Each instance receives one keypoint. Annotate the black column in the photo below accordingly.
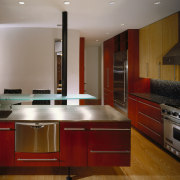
(64, 55)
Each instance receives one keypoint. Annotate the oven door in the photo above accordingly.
(172, 134)
(37, 137)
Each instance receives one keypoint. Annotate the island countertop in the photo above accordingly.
(70, 113)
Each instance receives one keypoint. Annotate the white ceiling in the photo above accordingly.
(95, 19)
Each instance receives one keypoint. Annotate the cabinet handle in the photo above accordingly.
(108, 129)
(74, 129)
(5, 129)
(159, 70)
(91, 151)
(147, 69)
(107, 77)
(37, 159)
(174, 72)
(124, 82)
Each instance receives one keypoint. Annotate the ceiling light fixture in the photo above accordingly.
(122, 24)
(66, 2)
(158, 2)
(97, 40)
(21, 2)
(112, 3)
(107, 33)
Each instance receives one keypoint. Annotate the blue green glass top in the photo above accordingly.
(31, 97)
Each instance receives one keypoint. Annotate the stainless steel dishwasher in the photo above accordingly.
(37, 137)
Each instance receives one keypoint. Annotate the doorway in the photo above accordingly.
(58, 70)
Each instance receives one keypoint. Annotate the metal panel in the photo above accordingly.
(37, 137)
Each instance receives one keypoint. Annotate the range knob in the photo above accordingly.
(164, 110)
(169, 112)
(175, 114)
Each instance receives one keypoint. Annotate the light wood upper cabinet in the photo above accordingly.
(155, 41)
(143, 52)
(170, 38)
(155, 50)
(150, 51)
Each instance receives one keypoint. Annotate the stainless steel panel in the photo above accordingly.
(168, 134)
(109, 151)
(37, 137)
(120, 79)
(71, 113)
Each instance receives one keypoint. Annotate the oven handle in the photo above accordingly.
(165, 118)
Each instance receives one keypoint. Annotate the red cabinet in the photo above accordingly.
(133, 110)
(108, 70)
(7, 147)
(95, 144)
(73, 144)
(109, 144)
(37, 159)
(146, 117)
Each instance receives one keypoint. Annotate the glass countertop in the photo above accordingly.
(31, 97)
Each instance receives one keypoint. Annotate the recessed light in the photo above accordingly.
(66, 2)
(107, 33)
(112, 3)
(21, 2)
(97, 40)
(158, 2)
(122, 24)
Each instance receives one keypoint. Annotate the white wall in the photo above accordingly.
(93, 70)
(27, 59)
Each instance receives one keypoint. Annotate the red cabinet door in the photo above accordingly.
(133, 110)
(7, 144)
(108, 64)
(109, 144)
(73, 144)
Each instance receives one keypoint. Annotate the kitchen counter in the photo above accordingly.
(70, 113)
(158, 99)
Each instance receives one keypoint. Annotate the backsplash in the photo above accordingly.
(169, 89)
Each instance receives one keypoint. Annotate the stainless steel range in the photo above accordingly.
(171, 118)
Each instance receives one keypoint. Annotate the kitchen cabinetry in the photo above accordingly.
(73, 144)
(133, 110)
(108, 71)
(109, 144)
(155, 41)
(146, 117)
(143, 52)
(95, 144)
(170, 38)
(7, 145)
(151, 51)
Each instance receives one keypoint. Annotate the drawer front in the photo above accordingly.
(7, 125)
(151, 123)
(150, 133)
(104, 139)
(150, 110)
(108, 159)
(37, 159)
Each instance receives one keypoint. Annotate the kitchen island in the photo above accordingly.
(82, 136)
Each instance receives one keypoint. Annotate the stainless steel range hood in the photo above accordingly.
(173, 56)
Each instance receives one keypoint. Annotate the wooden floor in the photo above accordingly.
(147, 162)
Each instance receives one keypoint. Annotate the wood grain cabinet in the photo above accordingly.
(108, 71)
(95, 144)
(155, 41)
(133, 110)
(170, 38)
(151, 51)
(73, 144)
(146, 117)
(109, 144)
(7, 144)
